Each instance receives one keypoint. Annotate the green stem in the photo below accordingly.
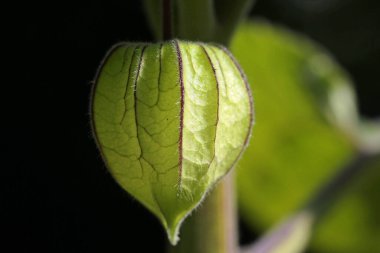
(167, 19)
(153, 12)
(196, 20)
(229, 14)
(213, 227)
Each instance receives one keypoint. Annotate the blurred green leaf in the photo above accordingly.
(306, 129)
(352, 224)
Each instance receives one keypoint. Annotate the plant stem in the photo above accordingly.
(197, 20)
(229, 14)
(167, 19)
(153, 12)
(213, 227)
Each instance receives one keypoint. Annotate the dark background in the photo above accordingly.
(57, 195)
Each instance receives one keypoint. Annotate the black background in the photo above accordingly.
(57, 195)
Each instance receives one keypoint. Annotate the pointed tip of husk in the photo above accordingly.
(173, 233)
(172, 228)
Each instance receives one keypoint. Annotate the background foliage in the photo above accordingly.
(296, 148)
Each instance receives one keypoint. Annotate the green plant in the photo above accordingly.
(170, 162)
